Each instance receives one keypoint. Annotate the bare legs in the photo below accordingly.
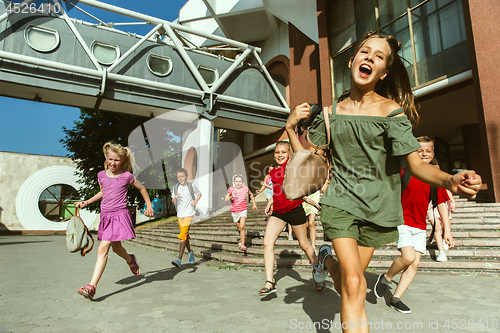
(349, 281)
(311, 223)
(184, 245)
(102, 258)
(273, 229)
(438, 236)
(241, 228)
(408, 263)
(301, 235)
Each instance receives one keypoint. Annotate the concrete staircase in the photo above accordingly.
(475, 228)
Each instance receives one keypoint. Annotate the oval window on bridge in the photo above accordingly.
(159, 65)
(57, 202)
(41, 39)
(210, 75)
(105, 53)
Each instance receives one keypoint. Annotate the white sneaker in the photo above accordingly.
(445, 246)
(441, 256)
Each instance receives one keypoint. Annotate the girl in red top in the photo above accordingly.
(283, 211)
(238, 196)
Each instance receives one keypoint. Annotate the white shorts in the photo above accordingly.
(236, 216)
(410, 236)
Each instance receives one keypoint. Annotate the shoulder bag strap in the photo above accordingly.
(327, 124)
(405, 179)
(86, 250)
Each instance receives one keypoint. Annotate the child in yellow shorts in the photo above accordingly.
(185, 196)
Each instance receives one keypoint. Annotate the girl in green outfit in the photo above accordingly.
(370, 132)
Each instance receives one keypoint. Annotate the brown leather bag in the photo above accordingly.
(306, 171)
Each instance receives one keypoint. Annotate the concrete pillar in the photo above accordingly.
(483, 26)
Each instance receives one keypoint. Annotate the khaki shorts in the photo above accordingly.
(338, 223)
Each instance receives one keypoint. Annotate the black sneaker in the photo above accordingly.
(380, 287)
(400, 306)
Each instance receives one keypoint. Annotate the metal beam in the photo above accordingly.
(230, 70)
(133, 48)
(155, 21)
(79, 37)
(186, 58)
(271, 82)
(133, 80)
(216, 18)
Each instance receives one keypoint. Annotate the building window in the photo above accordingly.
(105, 53)
(57, 202)
(159, 65)
(210, 75)
(436, 47)
(41, 39)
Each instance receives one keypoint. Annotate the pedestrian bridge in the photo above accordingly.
(47, 56)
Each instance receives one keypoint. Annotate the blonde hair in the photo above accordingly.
(238, 175)
(127, 158)
(396, 85)
(284, 143)
(425, 138)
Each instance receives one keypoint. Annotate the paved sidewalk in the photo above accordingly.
(39, 281)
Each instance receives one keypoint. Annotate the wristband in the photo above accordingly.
(84, 203)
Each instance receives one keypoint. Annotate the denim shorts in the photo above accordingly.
(338, 223)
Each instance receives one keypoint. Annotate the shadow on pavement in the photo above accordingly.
(16, 243)
(151, 276)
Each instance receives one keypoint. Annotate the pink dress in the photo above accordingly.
(116, 224)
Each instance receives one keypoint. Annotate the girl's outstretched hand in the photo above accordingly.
(300, 112)
(149, 211)
(466, 183)
(81, 204)
(269, 208)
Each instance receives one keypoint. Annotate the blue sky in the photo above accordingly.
(36, 128)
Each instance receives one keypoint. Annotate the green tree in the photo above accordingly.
(85, 140)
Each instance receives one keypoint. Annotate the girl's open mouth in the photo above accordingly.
(365, 71)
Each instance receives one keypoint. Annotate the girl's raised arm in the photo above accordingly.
(254, 205)
(465, 183)
(149, 211)
(300, 112)
(229, 196)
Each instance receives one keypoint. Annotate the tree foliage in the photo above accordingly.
(85, 141)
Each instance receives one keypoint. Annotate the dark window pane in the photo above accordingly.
(56, 203)
(341, 73)
(440, 39)
(365, 17)
(400, 29)
(389, 10)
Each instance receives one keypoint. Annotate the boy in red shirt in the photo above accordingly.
(412, 235)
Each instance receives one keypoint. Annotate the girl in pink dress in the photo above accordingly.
(238, 196)
(116, 224)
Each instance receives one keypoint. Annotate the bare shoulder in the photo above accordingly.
(388, 106)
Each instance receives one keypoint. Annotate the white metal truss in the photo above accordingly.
(167, 29)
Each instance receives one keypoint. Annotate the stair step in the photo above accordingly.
(485, 266)
(475, 229)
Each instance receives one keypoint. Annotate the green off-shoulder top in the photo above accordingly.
(366, 159)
